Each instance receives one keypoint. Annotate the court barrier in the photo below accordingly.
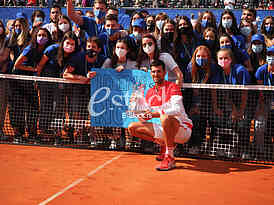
(230, 122)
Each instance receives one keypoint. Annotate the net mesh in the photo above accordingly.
(230, 122)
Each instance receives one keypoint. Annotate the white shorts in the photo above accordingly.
(182, 136)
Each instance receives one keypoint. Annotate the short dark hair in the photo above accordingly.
(56, 6)
(158, 62)
(111, 17)
(100, 2)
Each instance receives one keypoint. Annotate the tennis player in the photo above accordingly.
(165, 102)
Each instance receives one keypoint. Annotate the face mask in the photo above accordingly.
(168, 36)
(64, 27)
(246, 30)
(149, 49)
(209, 42)
(268, 29)
(41, 40)
(270, 60)
(224, 63)
(185, 31)
(160, 24)
(201, 61)
(257, 48)
(18, 31)
(91, 53)
(205, 23)
(38, 19)
(227, 23)
(99, 14)
(1, 30)
(111, 31)
(137, 35)
(226, 46)
(120, 52)
(150, 27)
(229, 7)
(68, 49)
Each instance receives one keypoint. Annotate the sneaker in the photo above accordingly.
(161, 156)
(168, 163)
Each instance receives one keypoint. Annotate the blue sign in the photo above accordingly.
(110, 96)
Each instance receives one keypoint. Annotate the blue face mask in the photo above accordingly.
(18, 31)
(226, 46)
(99, 14)
(201, 61)
(111, 31)
(209, 42)
(205, 23)
(246, 30)
(268, 29)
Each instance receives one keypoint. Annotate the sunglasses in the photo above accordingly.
(149, 44)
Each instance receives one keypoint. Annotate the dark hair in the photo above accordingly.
(131, 19)
(60, 33)
(33, 41)
(60, 53)
(157, 63)
(56, 6)
(111, 17)
(252, 10)
(3, 35)
(234, 28)
(198, 26)
(263, 31)
(113, 8)
(142, 55)
(96, 40)
(100, 2)
(37, 13)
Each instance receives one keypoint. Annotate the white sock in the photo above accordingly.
(170, 151)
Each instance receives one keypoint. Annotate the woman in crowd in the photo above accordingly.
(167, 37)
(230, 112)
(248, 29)
(210, 39)
(205, 20)
(150, 51)
(4, 68)
(25, 94)
(243, 58)
(63, 26)
(267, 29)
(150, 22)
(228, 24)
(159, 22)
(136, 15)
(202, 69)
(185, 43)
(53, 103)
(122, 58)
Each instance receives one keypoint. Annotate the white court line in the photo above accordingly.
(78, 181)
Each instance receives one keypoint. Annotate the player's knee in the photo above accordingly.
(132, 128)
(165, 118)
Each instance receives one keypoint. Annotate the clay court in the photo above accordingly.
(48, 175)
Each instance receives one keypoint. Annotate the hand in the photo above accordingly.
(91, 74)
(120, 68)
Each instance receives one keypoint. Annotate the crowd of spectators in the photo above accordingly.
(193, 50)
(257, 4)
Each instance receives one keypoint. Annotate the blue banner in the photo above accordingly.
(110, 95)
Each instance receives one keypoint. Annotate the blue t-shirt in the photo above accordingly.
(238, 76)
(51, 68)
(90, 26)
(263, 74)
(239, 41)
(214, 78)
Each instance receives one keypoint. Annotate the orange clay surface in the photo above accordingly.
(31, 175)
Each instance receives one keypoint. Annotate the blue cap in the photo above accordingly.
(270, 49)
(257, 37)
(139, 23)
(20, 15)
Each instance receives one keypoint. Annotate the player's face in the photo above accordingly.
(158, 74)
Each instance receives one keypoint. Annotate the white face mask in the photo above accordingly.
(64, 27)
(270, 60)
(160, 24)
(121, 52)
(149, 49)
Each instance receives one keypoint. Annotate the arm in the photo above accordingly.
(248, 65)
(5, 55)
(41, 64)
(19, 64)
(179, 75)
(216, 110)
(77, 78)
(73, 15)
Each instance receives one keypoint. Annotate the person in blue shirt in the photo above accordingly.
(53, 96)
(231, 108)
(203, 70)
(265, 76)
(25, 94)
(93, 27)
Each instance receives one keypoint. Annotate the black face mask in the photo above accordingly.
(185, 31)
(151, 27)
(168, 36)
(91, 53)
